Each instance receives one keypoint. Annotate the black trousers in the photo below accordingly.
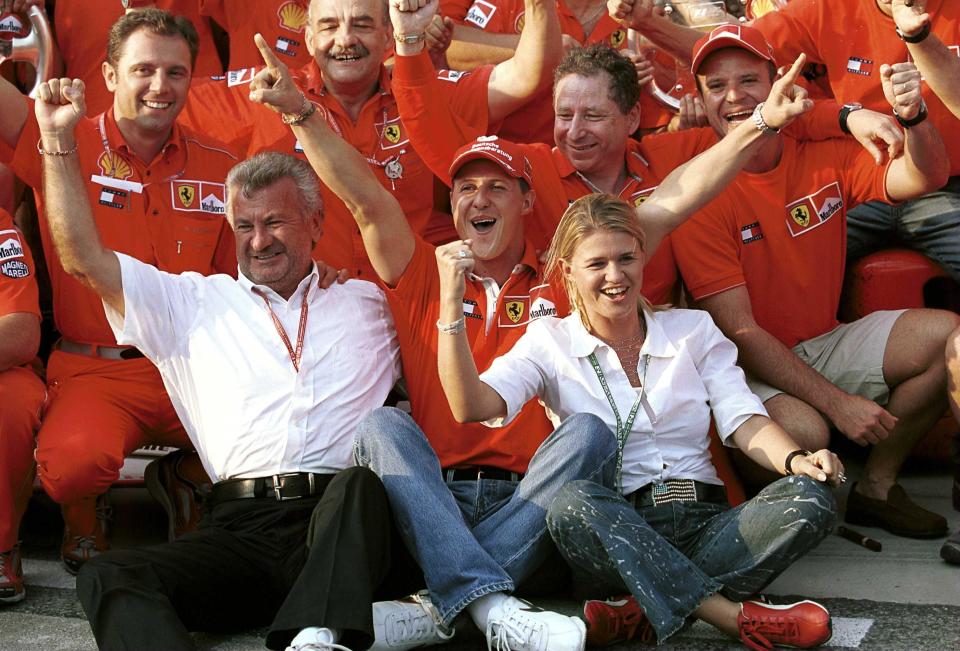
(315, 561)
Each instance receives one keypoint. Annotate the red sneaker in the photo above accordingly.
(11, 577)
(616, 620)
(802, 625)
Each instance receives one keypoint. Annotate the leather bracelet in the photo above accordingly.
(916, 119)
(296, 119)
(44, 152)
(919, 37)
(789, 460)
(454, 328)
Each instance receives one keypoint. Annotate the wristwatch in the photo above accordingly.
(915, 38)
(410, 39)
(759, 122)
(845, 112)
(915, 120)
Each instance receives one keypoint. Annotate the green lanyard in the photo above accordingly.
(623, 429)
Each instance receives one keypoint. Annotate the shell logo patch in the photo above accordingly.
(515, 310)
(186, 194)
(113, 166)
(293, 16)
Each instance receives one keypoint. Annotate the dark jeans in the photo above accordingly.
(673, 556)
(314, 561)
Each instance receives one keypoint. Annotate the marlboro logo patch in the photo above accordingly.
(10, 245)
(480, 13)
(814, 210)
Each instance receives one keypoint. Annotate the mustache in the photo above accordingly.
(354, 51)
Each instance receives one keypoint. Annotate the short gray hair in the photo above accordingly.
(269, 167)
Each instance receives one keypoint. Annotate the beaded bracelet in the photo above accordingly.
(454, 328)
(44, 152)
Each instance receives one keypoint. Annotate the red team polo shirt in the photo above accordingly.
(18, 282)
(82, 28)
(281, 22)
(492, 329)
(783, 234)
(555, 180)
(378, 134)
(169, 213)
(853, 61)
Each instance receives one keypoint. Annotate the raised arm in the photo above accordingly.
(641, 15)
(924, 166)
(513, 81)
(692, 185)
(59, 107)
(470, 399)
(938, 64)
(386, 234)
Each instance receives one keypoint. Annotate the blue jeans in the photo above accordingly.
(473, 538)
(930, 225)
(673, 556)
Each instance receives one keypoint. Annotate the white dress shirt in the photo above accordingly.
(691, 371)
(230, 377)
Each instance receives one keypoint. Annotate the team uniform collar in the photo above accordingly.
(117, 142)
(528, 262)
(312, 79)
(636, 163)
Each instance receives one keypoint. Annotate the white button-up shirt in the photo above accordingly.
(230, 377)
(691, 371)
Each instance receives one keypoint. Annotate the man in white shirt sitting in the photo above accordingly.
(270, 374)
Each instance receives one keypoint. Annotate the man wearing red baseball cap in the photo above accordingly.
(471, 501)
(766, 259)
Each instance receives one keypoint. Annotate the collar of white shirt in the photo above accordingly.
(656, 343)
(250, 286)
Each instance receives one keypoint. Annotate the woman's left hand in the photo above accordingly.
(822, 465)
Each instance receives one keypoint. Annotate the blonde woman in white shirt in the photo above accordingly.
(666, 534)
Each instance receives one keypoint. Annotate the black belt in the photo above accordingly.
(289, 486)
(474, 473)
(677, 490)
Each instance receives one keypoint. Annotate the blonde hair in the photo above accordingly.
(584, 217)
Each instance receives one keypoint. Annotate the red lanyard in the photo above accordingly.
(294, 354)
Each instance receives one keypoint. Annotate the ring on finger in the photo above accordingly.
(462, 253)
(842, 477)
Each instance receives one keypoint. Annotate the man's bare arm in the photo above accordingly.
(386, 234)
(59, 106)
(472, 47)
(766, 358)
(19, 338)
(938, 64)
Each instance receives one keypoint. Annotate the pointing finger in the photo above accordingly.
(266, 52)
(790, 78)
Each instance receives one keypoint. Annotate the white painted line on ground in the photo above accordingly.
(849, 632)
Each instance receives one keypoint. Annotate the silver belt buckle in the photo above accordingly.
(277, 488)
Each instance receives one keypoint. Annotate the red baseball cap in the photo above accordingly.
(504, 153)
(741, 36)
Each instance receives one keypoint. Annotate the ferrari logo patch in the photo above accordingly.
(801, 215)
(515, 310)
(392, 133)
(186, 194)
(617, 38)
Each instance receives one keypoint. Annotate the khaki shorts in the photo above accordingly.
(850, 356)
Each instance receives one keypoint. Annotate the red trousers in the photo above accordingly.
(98, 412)
(21, 399)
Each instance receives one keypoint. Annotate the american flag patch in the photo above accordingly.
(751, 233)
(859, 66)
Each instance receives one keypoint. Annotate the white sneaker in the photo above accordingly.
(408, 623)
(518, 625)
